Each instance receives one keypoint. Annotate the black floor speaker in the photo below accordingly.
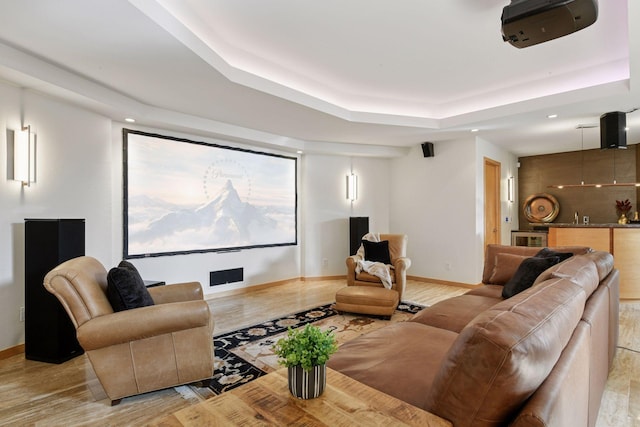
(358, 227)
(49, 334)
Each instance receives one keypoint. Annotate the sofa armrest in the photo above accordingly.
(402, 264)
(176, 292)
(400, 267)
(144, 322)
(351, 269)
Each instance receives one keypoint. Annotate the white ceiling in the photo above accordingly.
(364, 77)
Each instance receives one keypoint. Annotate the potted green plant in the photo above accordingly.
(305, 352)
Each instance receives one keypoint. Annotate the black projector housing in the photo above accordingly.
(529, 22)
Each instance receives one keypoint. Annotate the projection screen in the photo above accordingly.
(183, 196)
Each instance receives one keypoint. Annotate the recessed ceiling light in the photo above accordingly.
(475, 130)
(552, 116)
(130, 120)
(299, 151)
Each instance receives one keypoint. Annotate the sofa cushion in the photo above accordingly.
(527, 273)
(377, 251)
(580, 269)
(504, 354)
(493, 249)
(506, 265)
(455, 313)
(363, 276)
(603, 262)
(126, 289)
(493, 291)
(385, 359)
(563, 398)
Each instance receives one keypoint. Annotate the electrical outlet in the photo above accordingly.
(447, 266)
(22, 314)
(325, 263)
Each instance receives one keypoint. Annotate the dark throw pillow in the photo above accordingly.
(126, 264)
(376, 251)
(548, 253)
(526, 274)
(125, 288)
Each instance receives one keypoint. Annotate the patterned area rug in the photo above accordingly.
(245, 354)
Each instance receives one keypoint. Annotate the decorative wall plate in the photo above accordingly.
(541, 207)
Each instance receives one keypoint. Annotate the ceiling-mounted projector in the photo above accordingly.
(529, 22)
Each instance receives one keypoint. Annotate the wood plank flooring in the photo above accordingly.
(42, 394)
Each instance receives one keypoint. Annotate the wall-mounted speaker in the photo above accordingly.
(612, 130)
(427, 149)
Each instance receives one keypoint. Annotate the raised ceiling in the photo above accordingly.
(358, 77)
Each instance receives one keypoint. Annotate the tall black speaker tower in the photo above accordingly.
(49, 334)
(358, 227)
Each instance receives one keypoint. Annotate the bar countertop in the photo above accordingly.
(544, 226)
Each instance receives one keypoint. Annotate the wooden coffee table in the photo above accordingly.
(267, 401)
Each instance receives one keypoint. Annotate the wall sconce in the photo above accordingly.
(511, 191)
(352, 187)
(24, 156)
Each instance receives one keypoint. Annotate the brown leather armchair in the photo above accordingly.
(399, 260)
(138, 350)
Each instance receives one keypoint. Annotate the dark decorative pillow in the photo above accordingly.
(126, 264)
(377, 251)
(548, 253)
(526, 274)
(125, 288)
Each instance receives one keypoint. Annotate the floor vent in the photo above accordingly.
(222, 277)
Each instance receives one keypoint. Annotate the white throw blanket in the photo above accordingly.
(377, 269)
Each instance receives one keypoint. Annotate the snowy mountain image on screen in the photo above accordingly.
(224, 222)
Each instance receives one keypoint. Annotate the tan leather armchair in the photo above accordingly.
(142, 349)
(399, 260)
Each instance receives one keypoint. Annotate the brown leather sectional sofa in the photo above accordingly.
(539, 358)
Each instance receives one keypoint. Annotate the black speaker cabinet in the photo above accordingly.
(358, 227)
(427, 149)
(49, 334)
(612, 130)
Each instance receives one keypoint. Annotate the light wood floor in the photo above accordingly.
(41, 394)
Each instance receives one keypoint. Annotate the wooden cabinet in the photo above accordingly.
(595, 238)
(626, 253)
(622, 242)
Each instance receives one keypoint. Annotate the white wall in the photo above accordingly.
(79, 170)
(439, 203)
(433, 202)
(436, 201)
(326, 210)
(73, 181)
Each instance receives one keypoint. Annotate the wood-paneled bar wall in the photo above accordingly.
(537, 173)
(596, 166)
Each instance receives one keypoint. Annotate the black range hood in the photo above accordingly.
(613, 132)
